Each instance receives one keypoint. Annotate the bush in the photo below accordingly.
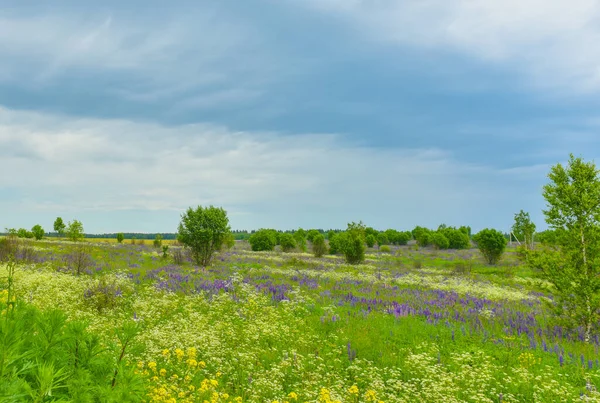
(300, 238)
(79, 260)
(318, 245)
(38, 232)
(287, 242)
(178, 256)
(120, 237)
(311, 234)
(158, 241)
(458, 239)
(75, 231)
(385, 249)
(262, 240)
(103, 295)
(491, 243)
(370, 240)
(462, 266)
(203, 230)
(439, 240)
(352, 243)
(382, 239)
(334, 243)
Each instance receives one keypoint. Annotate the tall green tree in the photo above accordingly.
(573, 266)
(59, 226)
(74, 231)
(203, 230)
(38, 232)
(524, 229)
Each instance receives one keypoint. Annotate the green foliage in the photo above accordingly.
(44, 358)
(524, 229)
(318, 245)
(330, 234)
(352, 243)
(397, 237)
(120, 237)
(439, 240)
(491, 244)
(165, 250)
(287, 242)
(573, 200)
(74, 231)
(335, 243)
(59, 226)
(38, 232)
(422, 236)
(263, 240)
(370, 240)
(229, 241)
(300, 238)
(385, 249)
(158, 241)
(311, 234)
(457, 239)
(465, 230)
(371, 231)
(203, 230)
(382, 239)
(23, 233)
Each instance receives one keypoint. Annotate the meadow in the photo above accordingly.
(413, 325)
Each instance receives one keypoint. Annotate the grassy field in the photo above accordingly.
(414, 325)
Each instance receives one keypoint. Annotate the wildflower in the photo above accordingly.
(353, 390)
(214, 382)
(152, 365)
(370, 396)
(191, 352)
(163, 372)
(179, 353)
(293, 395)
(192, 363)
(140, 364)
(166, 352)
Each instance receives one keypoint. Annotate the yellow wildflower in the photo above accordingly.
(163, 372)
(293, 395)
(179, 353)
(353, 390)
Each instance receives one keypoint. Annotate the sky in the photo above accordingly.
(292, 113)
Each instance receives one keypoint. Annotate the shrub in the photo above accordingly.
(311, 234)
(59, 226)
(178, 256)
(318, 245)
(158, 241)
(462, 266)
(103, 295)
(75, 231)
(203, 231)
(300, 238)
(23, 233)
(439, 240)
(491, 243)
(370, 240)
(120, 237)
(334, 243)
(385, 249)
(287, 242)
(262, 240)
(457, 239)
(382, 239)
(38, 232)
(8, 248)
(352, 243)
(79, 260)
(165, 250)
(417, 263)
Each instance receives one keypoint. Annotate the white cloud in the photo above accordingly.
(108, 165)
(146, 58)
(554, 42)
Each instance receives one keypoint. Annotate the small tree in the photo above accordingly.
(353, 243)
(311, 234)
(120, 237)
(491, 244)
(573, 214)
(440, 241)
(287, 242)
(370, 240)
(75, 231)
(524, 229)
(38, 232)
(59, 226)
(300, 238)
(262, 240)
(382, 239)
(158, 241)
(318, 245)
(203, 231)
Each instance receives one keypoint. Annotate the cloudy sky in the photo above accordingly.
(292, 113)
